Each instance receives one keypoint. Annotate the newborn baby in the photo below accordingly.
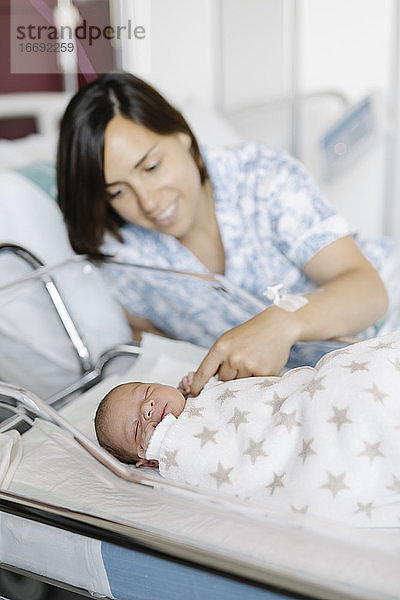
(128, 415)
(324, 440)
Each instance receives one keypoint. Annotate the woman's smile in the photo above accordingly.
(168, 216)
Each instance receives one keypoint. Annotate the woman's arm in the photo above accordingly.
(139, 324)
(350, 297)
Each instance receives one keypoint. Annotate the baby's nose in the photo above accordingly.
(147, 409)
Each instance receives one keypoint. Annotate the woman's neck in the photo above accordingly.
(204, 239)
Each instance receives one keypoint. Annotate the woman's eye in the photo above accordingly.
(113, 195)
(153, 166)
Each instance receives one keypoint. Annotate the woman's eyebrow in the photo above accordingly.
(141, 161)
(143, 158)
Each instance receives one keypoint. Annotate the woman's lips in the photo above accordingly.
(168, 216)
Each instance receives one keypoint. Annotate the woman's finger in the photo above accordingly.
(209, 366)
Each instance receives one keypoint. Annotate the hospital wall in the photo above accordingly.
(248, 60)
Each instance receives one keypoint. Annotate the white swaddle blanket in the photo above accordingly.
(323, 440)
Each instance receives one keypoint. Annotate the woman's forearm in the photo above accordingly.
(350, 296)
(344, 306)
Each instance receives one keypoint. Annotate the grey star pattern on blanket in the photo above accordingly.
(367, 508)
(306, 450)
(255, 450)
(320, 441)
(381, 345)
(339, 417)
(288, 420)
(395, 485)
(276, 483)
(355, 366)
(225, 395)
(371, 450)
(221, 475)
(377, 393)
(315, 386)
(207, 435)
(276, 403)
(195, 411)
(239, 417)
(335, 483)
(266, 383)
(170, 458)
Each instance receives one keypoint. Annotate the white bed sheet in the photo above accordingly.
(57, 470)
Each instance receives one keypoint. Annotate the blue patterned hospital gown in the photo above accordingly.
(272, 220)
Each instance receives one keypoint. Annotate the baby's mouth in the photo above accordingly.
(163, 413)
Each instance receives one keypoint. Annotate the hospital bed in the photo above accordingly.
(75, 517)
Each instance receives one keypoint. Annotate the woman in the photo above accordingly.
(133, 184)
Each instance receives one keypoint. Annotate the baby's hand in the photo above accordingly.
(185, 384)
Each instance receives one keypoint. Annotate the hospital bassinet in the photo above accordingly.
(67, 519)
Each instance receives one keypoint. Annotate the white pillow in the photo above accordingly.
(30, 215)
(34, 350)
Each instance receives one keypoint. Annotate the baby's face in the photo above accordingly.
(135, 409)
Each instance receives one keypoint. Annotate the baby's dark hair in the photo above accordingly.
(100, 425)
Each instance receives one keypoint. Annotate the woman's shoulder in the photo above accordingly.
(248, 157)
(242, 151)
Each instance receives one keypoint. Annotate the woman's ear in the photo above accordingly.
(144, 462)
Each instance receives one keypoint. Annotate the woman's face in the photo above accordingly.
(152, 180)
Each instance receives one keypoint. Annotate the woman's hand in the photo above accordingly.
(258, 347)
(350, 296)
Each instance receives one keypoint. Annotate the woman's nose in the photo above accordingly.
(147, 199)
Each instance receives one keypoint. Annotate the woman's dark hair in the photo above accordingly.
(82, 194)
